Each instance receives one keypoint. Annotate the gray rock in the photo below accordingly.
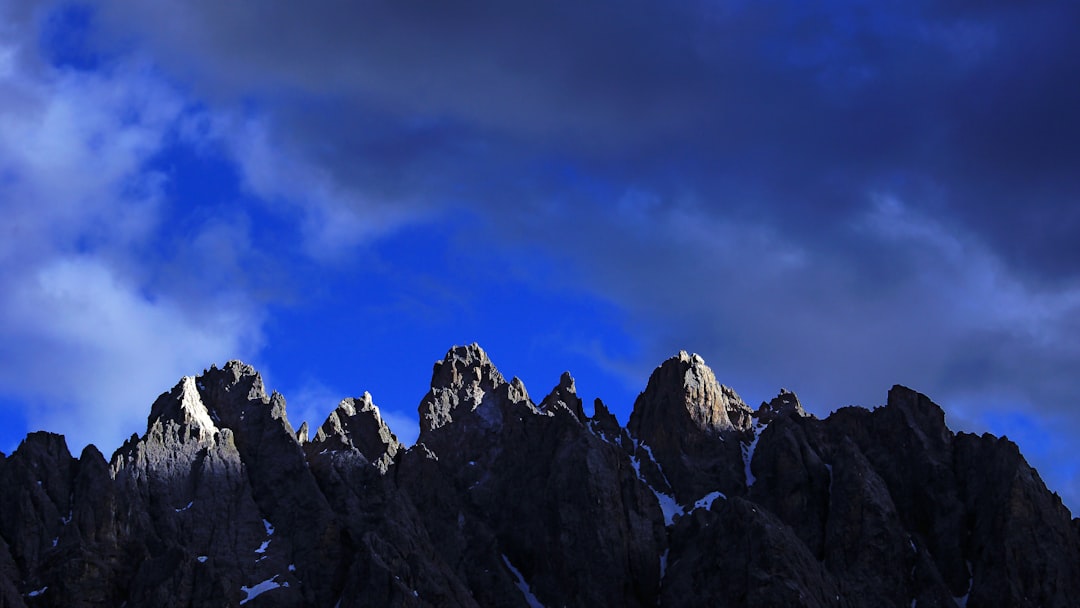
(503, 502)
(564, 399)
(517, 487)
(737, 554)
(693, 427)
(784, 404)
(1023, 548)
(357, 425)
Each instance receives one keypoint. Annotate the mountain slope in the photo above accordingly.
(506, 501)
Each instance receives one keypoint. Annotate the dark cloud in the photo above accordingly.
(834, 196)
(781, 111)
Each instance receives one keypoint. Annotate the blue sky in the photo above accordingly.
(832, 198)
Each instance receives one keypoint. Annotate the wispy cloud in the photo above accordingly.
(832, 198)
(87, 338)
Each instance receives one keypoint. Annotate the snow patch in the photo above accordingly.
(185, 507)
(663, 563)
(748, 453)
(260, 588)
(669, 507)
(202, 559)
(66, 520)
(38, 592)
(961, 600)
(652, 458)
(530, 599)
(292, 567)
(667, 503)
(705, 502)
(269, 532)
(55, 541)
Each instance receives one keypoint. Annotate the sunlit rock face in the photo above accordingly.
(693, 426)
(505, 501)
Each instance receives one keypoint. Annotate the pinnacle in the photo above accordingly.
(184, 405)
(684, 386)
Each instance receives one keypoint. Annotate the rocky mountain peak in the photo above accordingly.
(504, 503)
(184, 406)
(564, 397)
(356, 424)
(683, 394)
(919, 412)
(693, 425)
(464, 382)
(235, 383)
(784, 404)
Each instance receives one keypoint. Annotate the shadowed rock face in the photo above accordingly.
(507, 502)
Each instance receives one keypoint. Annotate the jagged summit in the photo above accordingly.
(564, 397)
(684, 391)
(218, 398)
(786, 403)
(692, 425)
(184, 406)
(356, 424)
(466, 382)
(503, 502)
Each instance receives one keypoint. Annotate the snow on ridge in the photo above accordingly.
(530, 599)
(648, 450)
(748, 453)
(667, 503)
(37, 592)
(185, 507)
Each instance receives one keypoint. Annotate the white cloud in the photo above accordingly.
(94, 353)
(335, 216)
(87, 345)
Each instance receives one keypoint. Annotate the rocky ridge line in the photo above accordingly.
(504, 501)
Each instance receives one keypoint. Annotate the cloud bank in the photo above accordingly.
(832, 198)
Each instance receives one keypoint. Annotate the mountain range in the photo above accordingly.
(504, 500)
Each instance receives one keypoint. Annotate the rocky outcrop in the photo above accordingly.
(692, 426)
(785, 404)
(528, 494)
(358, 426)
(505, 502)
